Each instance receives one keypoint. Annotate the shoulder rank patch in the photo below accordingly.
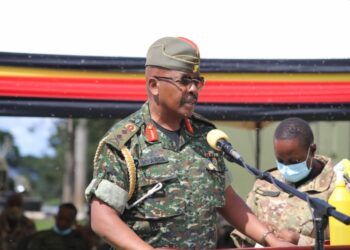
(121, 135)
(130, 127)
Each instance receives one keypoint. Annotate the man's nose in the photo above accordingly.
(193, 87)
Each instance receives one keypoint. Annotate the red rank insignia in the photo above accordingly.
(130, 127)
(188, 125)
(151, 132)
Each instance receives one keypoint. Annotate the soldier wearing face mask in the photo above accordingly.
(62, 236)
(299, 166)
(14, 225)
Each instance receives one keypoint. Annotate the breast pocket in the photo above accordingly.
(166, 202)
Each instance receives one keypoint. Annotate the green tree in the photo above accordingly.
(47, 182)
(8, 149)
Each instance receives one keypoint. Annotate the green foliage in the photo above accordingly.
(49, 175)
(50, 170)
(8, 148)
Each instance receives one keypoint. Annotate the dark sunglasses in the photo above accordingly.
(184, 81)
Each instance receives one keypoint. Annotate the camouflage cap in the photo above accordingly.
(176, 53)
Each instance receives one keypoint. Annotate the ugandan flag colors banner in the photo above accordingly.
(82, 86)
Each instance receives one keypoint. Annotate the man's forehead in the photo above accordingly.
(164, 71)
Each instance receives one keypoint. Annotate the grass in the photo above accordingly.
(43, 224)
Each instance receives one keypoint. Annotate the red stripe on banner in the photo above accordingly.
(74, 88)
(213, 92)
(276, 92)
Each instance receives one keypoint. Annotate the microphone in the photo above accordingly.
(217, 139)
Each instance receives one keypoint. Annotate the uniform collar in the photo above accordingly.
(152, 134)
(323, 180)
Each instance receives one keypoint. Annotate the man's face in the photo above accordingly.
(178, 91)
(291, 151)
(65, 218)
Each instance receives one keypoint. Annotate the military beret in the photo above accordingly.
(176, 53)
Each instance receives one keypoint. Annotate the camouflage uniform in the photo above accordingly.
(49, 240)
(183, 213)
(284, 211)
(10, 237)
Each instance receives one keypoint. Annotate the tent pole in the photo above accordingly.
(257, 149)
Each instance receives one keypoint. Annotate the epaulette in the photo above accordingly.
(202, 119)
(118, 136)
(121, 135)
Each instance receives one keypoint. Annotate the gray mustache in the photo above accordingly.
(191, 99)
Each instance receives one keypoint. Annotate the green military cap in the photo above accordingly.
(176, 53)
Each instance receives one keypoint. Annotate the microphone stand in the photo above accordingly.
(321, 209)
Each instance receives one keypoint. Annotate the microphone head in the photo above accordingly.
(214, 136)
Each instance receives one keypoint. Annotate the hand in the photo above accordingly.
(285, 235)
(274, 241)
(288, 235)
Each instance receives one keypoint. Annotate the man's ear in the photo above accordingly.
(313, 149)
(153, 86)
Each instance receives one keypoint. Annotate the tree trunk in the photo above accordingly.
(81, 137)
(68, 175)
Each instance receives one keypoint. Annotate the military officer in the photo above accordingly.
(157, 183)
(299, 166)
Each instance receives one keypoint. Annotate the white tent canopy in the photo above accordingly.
(236, 29)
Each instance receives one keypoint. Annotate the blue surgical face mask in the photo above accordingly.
(294, 172)
(62, 232)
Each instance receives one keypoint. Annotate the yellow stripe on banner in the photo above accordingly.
(56, 73)
(36, 72)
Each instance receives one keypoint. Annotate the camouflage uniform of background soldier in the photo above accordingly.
(282, 210)
(14, 225)
(63, 235)
(192, 175)
(293, 139)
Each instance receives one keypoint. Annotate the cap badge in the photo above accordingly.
(195, 68)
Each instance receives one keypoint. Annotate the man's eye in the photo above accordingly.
(186, 80)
